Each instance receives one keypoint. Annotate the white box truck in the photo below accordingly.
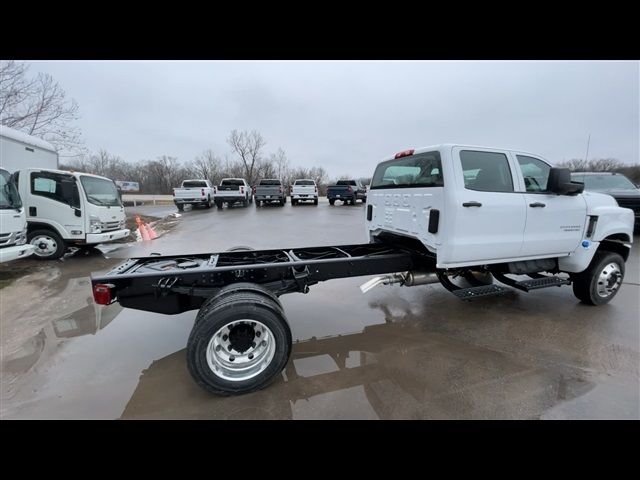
(63, 209)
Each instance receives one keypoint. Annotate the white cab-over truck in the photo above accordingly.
(13, 222)
(63, 209)
(304, 190)
(193, 192)
(461, 216)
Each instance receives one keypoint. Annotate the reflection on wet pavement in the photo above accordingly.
(395, 353)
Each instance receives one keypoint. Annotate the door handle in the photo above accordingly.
(537, 205)
(471, 204)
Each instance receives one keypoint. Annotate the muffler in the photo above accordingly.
(409, 279)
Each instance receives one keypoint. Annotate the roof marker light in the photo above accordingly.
(406, 153)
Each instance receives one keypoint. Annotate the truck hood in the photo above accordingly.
(622, 193)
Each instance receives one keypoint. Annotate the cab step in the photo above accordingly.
(481, 291)
(535, 283)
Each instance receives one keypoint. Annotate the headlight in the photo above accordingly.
(95, 225)
(21, 238)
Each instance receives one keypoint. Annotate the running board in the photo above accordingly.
(481, 291)
(534, 283)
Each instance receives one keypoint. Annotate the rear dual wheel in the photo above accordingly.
(240, 343)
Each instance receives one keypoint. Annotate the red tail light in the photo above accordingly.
(202, 192)
(316, 189)
(280, 189)
(406, 153)
(349, 189)
(103, 293)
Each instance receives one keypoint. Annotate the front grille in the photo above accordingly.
(632, 203)
(13, 238)
(108, 226)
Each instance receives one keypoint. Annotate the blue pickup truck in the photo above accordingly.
(347, 191)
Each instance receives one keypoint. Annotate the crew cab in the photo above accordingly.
(232, 191)
(270, 190)
(193, 192)
(474, 219)
(615, 184)
(347, 191)
(304, 190)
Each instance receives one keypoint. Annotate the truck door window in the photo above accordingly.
(486, 171)
(49, 185)
(421, 170)
(535, 173)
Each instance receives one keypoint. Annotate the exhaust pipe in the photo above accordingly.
(409, 279)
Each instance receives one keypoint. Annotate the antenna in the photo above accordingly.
(586, 155)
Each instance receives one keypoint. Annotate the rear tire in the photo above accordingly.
(245, 202)
(315, 201)
(601, 281)
(331, 201)
(49, 245)
(257, 203)
(208, 203)
(219, 204)
(235, 288)
(221, 346)
(180, 207)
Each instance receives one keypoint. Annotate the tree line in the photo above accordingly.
(247, 159)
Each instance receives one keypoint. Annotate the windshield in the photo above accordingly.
(9, 197)
(602, 183)
(422, 170)
(100, 191)
(270, 182)
(231, 182)
(194, 184)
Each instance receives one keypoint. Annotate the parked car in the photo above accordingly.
(615, 184)
(304, 190)
(193, 192)
(13, 222)
(270, 190)
(232, 191)
(347, 191)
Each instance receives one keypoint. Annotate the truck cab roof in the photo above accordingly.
(449, 146)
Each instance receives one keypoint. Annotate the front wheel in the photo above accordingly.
(601, 281)
(240, 345)
(49, 245)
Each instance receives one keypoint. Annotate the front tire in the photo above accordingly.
(240, 345)
(49, 245)
(601, 281)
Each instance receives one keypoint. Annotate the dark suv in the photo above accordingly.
(615, 184)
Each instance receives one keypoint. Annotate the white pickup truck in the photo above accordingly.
(232, 191)
(193, 192)
(13, 222)
(304, 190)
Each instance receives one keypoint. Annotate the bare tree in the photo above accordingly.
(248, 146)
(38, 106)
(209, 166)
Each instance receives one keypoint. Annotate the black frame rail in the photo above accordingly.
(175, 284)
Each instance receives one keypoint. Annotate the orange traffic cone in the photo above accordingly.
(152, 233)
(141, 228)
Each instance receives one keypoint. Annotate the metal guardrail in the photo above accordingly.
(142, 199)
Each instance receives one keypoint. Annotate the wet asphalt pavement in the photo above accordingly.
(393, 353)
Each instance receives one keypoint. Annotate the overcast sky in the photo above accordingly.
(347, 116)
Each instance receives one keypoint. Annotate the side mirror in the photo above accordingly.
(560, 183)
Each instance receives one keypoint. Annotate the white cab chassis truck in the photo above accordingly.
(13, 222)
(480, 221)
(69, 209)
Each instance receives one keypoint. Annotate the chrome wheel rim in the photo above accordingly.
(240, 350)
(609, 280)
(45, 245)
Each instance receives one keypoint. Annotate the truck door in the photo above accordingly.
(489, 215)
(555, 223)
(51, 201)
